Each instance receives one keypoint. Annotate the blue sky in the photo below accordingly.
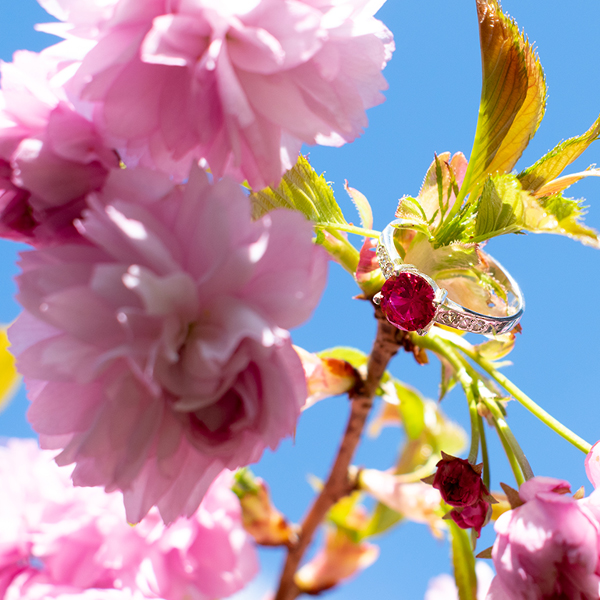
(431, 106)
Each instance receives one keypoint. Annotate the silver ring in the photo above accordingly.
(413, 301)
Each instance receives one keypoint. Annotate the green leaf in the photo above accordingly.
(496, 348)
(455, 228)
(412, 410)
(512, 98)
(463, 562)
(412, 212)
(567, 213)
(382, 519)
(303, 190)
(341, 515)
(499, 210)
(552, 164)
(518, 210)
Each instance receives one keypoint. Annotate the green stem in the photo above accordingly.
(515, 450)
(340, 249)
(460, 369)
(475, 432)
(372, 233)
(527, 402)
(466, 375)
(484, 455)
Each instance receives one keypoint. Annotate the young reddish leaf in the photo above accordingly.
(552, 164)
(562, 183)
(362, 206)
(442, 181)
(512, 99)
(368, 274)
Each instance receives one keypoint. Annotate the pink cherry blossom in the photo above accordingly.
(240, 83)
(156, 356)
(50, 155)
(549, 547)
(592, 465)
(59, 541)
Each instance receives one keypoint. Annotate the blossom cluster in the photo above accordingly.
(154, 338)
(60, 541)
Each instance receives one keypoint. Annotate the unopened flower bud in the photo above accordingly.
(259, 517)
(326, 376)
(340, 558)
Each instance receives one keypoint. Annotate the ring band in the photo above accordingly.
(412, 301)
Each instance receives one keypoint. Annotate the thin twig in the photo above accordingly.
(339, 484)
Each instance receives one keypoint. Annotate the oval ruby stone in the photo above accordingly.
(407, 301)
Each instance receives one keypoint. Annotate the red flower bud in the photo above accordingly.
(458, 481)
(475, 516)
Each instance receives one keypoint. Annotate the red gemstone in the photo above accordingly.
(407, 301)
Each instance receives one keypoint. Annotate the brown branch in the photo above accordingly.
(339, 484)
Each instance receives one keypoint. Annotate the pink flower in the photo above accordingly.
(155, 357)
(592, 465)
(549, 547)
(240, 83)
(74, 539)
(50, 155)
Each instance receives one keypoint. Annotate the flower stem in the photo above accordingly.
(484, 455)
(518, 462)
(372, 233)
(339, 483)
(527, 402)
(466, 375)
(340, 249)
(443, 348)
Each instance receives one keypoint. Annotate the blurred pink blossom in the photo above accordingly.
(50, 155)
(240, 83)
(592, 465)
(158, 355)
(443, 587)
(548, 547)
(59, 541)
